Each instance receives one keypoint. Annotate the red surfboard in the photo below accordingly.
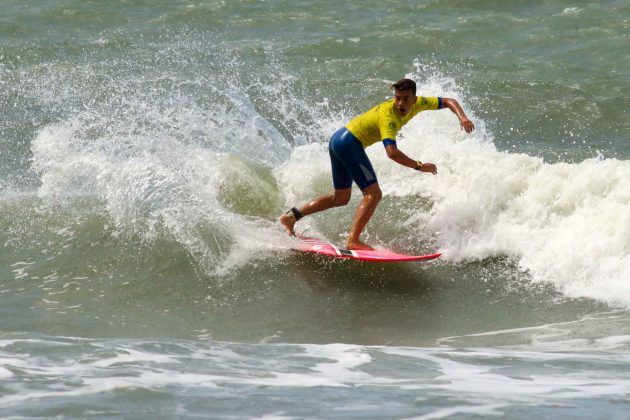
(321, 247)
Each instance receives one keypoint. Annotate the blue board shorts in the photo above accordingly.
(349, 161)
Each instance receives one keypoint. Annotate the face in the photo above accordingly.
(403, 101)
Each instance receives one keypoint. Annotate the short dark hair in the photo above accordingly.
(404, 84)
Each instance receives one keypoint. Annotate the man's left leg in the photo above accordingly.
(371, 197)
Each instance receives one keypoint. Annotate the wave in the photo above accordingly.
(212, 168)
(476, 381)
(564, 223)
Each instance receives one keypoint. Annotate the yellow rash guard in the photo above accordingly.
(383, 122)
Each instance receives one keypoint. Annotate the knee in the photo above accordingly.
(341, 200)
(379, 194)
(374, 194)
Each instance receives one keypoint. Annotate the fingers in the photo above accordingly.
(467, 125)
(429, 167)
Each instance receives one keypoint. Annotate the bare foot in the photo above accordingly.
(358, 245)
(288, 221)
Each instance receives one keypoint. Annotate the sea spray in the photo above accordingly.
(563, 223)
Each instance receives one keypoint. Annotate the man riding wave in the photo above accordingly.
(350, 162)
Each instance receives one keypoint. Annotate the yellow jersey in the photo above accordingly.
(383, 122)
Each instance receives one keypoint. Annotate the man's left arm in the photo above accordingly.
(464, 121)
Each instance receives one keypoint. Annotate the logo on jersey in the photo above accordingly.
(392, 126)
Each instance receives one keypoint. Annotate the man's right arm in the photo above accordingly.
(454, 106)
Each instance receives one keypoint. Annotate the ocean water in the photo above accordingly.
(148, 147)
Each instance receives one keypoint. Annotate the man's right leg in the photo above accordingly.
(341, 197)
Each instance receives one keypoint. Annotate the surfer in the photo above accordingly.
(350, 162)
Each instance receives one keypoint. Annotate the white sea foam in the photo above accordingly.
(568, 224)
(306, 173)
(571, 11)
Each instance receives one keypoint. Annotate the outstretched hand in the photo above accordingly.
(466, 125)
(428, 167)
